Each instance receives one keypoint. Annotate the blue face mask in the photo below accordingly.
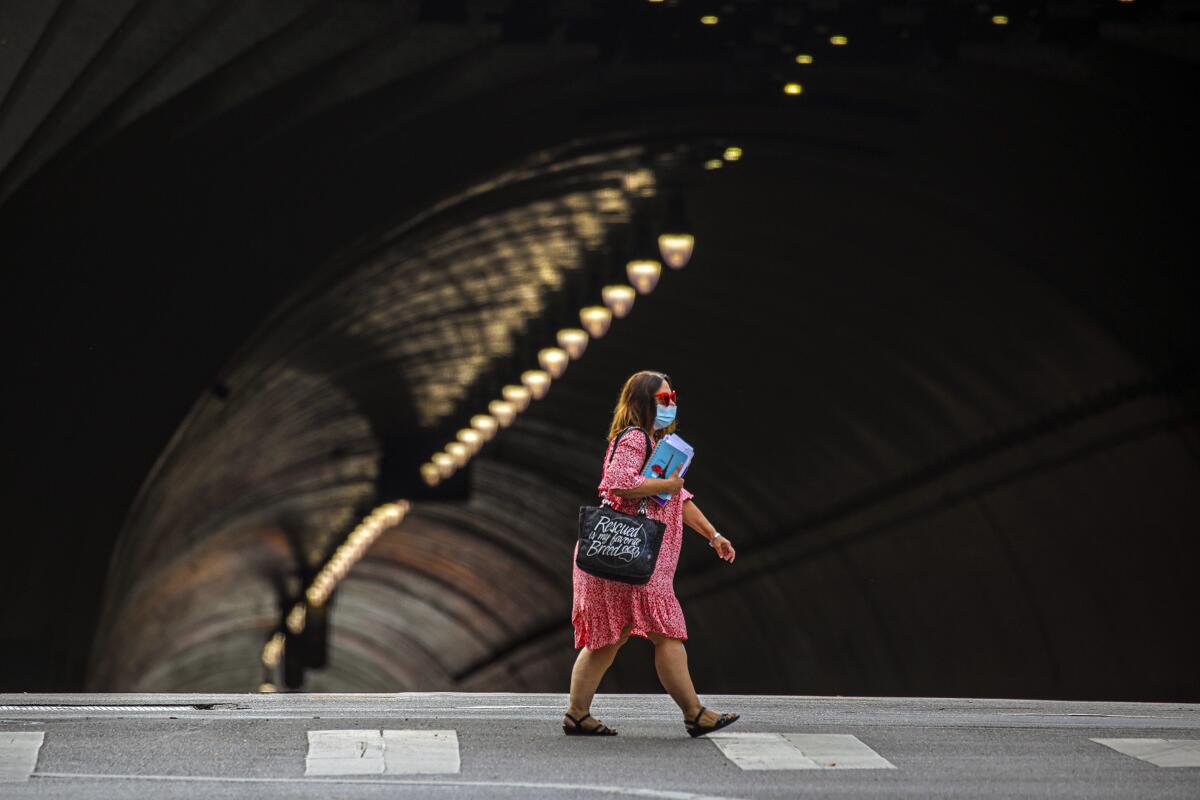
(664, 417)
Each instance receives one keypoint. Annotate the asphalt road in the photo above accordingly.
(512, 746)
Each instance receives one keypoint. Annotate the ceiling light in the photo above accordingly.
(517, 395)
(537, 381)
(838, 41)
(619, 299)
(999, 19)
(554, 360)
(459, 452)
(431, 474)
(573, 340)
(595, 320)
(644, 274)
(471, 438)
(444, 463)
(792, 88)
(485, 425)
(804, 58)
(733, 154)
(504, 412)
(709, 19)
(714, 163)
(676, 249)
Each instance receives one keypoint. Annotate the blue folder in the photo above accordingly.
(668, 454)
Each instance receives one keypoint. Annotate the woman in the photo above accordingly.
(605, 613)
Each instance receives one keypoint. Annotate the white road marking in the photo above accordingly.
(344, 752)
(415, 752)
(629, 791)
(19, 754)
(1159, 752)
(763, 751)
(379, 752)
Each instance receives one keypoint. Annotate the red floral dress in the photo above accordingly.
(600, 608)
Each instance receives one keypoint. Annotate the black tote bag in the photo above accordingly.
(618, 546)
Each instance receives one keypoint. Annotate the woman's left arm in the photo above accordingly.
(694, 518)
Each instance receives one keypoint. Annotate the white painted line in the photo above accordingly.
(838, 751)
(19, 754)
(773, 751)
(416, 752)
(1159, 752)
(379, 752)
(558, 788)
(344, 752)
(761, 751)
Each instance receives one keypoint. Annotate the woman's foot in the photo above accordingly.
(585, 725)
(706, 721)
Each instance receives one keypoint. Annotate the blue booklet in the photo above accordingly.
(670, 452)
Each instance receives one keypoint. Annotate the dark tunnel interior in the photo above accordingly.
(936, 348)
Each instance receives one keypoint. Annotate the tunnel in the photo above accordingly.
(935, 347)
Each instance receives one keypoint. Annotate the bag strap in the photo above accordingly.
(618, 439)
(613, 452)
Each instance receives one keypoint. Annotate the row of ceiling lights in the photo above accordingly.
(317, 593)
(791, 88)
(643, 273)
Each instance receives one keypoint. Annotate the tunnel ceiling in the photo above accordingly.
(937, 364)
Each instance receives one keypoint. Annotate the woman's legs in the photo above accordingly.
(590, 666)
(670, 661)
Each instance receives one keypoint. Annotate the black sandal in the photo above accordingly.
(578, 730)
(694, 728)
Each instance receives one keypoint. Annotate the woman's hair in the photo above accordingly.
(636, 405)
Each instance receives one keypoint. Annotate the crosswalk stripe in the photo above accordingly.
(344, 752)
(775, 751)
(382, 752)
(414, 752)
(19, 754)
(1159, 752)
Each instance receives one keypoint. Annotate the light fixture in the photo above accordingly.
(999, 19)
(431, 474)
(471, 438)
(804, 58)
(838, 40)
(459, 452)
(504, 412)
(537, 382)
(573, 340)
(618, 298)
(272, 650)
(710, 19)
(296, 618)
(517, 395)
(595, 320)
(554, 360)
(733, 154)
(485, 424)
(444, 463)
(644, 274)
(793, 88)
(714, 163)
(675, 242)
(676, 248)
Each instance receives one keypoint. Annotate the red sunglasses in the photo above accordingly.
(665, 398)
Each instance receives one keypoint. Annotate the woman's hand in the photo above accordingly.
(674, 483)
(724, 549)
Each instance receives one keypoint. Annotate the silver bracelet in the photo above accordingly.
(714, 538)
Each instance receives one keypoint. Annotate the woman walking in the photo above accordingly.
(606, 613)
